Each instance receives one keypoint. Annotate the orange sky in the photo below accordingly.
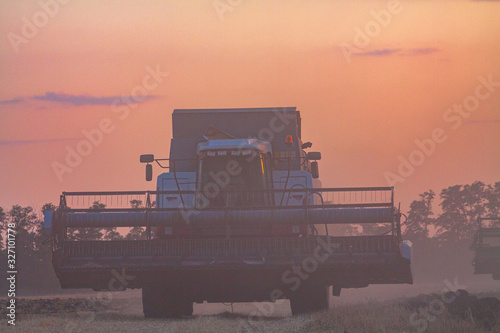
(362, 113)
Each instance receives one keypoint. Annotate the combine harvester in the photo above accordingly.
(486, 246)
(234, 220)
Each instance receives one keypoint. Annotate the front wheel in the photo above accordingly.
(160, 301)
(309, 298)
(188, 307)
(152, 301)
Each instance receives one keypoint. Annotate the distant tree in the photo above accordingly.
(48, 206)
(345, 229)
(420, 217)
(108, 233)
(461, 205)
(112, 234)
(493, 196)
(138, 232)
(27, 225)
(443, 241)
(90, 233)
(33, 253)
(97, 205)
(136, 203)
(375, 228)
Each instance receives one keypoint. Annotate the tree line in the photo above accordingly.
(440, 240)
(33, 247)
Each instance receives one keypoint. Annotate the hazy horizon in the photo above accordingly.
(370, 78)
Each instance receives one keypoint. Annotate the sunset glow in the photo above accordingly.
(371, 78)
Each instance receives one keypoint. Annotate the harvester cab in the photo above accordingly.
(236, 173)
(234, 219)
(486, 246)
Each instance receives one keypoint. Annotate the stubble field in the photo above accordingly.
(123, 313)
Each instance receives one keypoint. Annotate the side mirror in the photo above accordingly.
(147, 158)
(307, 145)
(149, 172)
(314, 170)
(314, 155)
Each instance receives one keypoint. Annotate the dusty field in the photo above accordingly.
(124, 314)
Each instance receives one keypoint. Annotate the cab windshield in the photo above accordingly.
(223, 177)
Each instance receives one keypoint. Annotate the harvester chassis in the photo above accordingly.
(175, 272)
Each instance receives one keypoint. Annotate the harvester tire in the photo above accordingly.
(159, 301)
(174, 307)
(309, 298)
(153, 302)
(188, 308)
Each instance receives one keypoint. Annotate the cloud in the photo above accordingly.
(28, 142)
(401, 52)
(422, 51)
(377, 53)
(12, 101)
(77, 100)
(81, 100)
